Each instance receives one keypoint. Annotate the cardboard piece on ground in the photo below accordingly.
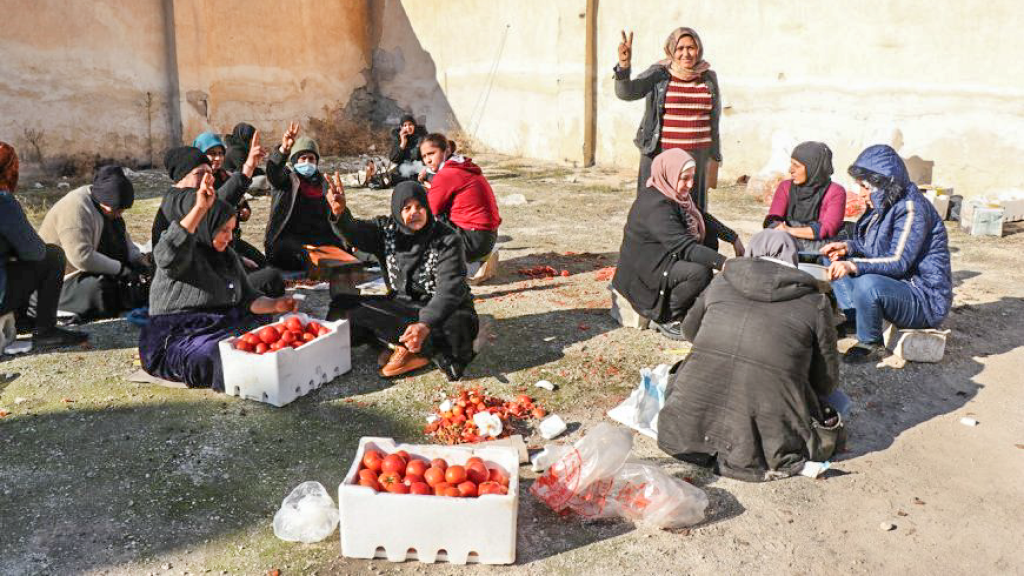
(514, 441)
(329, 254)
(143, 377)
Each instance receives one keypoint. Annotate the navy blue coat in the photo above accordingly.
(903, 236)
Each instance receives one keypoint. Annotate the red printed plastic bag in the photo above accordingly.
(649, 497)
(596, 456)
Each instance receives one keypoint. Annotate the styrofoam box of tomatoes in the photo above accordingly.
(431, 528)
(279, 377)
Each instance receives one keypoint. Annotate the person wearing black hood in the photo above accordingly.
(750, 398)
(186, 166)
(405, 149)
(298, 206)
(200, 293)
(428, 313)
(105, 272)
(809, 206)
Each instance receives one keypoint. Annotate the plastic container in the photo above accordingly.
(278, 378)
(430, 529)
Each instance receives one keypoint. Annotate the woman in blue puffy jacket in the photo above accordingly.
(896, 267)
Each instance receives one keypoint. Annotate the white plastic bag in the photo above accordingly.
(308, 514)
(649, 497)
(640, 410)
(596, 456)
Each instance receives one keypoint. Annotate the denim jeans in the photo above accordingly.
(871, 298)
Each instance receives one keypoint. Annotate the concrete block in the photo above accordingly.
(927, 345)
(624, 314)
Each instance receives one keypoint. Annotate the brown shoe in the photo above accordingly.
(383, 358)
(401, 362)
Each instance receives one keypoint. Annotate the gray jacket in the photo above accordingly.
(653, 83)
(75, 224)
(187, 281)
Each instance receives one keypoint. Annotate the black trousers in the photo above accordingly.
(479, 243)
(268, 280)
(287, 252)
(686, 281)
(378, 320)
(44, 279)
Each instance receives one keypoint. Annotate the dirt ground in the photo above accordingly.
(102, 476)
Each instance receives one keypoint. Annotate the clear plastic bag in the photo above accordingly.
(640, 410)
(308, 514)
(596, 456)
(649, 497)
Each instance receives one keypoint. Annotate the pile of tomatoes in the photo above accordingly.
(291, 333)
(400, 473)
(456, 426)
(543, 272)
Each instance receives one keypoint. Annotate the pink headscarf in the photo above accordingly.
(666, 170)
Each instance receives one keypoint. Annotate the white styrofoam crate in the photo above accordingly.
(430, 529)
(280, 377)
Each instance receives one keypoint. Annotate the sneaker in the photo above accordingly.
(402, 361)
(671, 330)
(58, 338)
(860, 353)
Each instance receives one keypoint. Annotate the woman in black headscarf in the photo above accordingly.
(428, 313)
(809, 207)
(200, 294)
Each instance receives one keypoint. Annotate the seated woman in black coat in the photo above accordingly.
(669, 248)
(750, 398)
(200, 294)
(428, 313)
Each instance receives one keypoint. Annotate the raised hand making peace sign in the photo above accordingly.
(205, 194)
(288, 140)
(256, 155)
(625, 50)
(335, 194)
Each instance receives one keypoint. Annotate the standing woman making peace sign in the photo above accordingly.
(683, 106)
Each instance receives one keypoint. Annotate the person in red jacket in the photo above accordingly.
(460, 196)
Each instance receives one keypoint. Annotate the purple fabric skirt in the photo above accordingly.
(182, 347)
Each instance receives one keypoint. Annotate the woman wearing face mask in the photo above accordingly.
(669, 247)
(200, 294)
(683, 107)
(428, 313)
(809, 206)
(298, 207)
(461, 197)
(896, 267)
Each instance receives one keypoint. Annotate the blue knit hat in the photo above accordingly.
(208, 140)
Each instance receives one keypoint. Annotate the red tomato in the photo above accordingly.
(455, 474)
(458, 410)
(373, 460)
(297, 343)
(367, 473)
(243, 346)
(277, 346)
(434, 476)
(323, 330)
(418, 467)
(440, 487)
(524, 400)
(313, 327)
(476, 472)
(439, 463)
(370, 483)
(467, 489)
(294, 323)
(404, 455)
(495, 475)
(269, 334)
(474, 460)
(261, 348)
(287, 337)
(394, 464)
(565, 273)
(252, 338)
(421, 488)
(307, 337)
(491, 488)
(452, 492)
(398, 488)
(386, 479)
(538, 413)
(411, 479)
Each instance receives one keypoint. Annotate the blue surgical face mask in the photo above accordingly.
(307, 169)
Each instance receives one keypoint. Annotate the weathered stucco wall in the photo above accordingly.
(531, 105)
(267, 62)
(849, 74)
(84, 77)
